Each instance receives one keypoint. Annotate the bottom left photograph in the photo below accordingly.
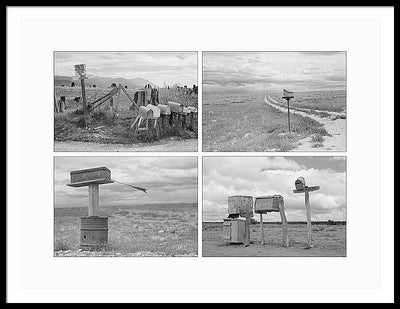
(125, 206)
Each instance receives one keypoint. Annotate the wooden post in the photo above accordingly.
(285, 231)
(308, 213)
(93, 199)
(288, 113)
(247, 227)
(85, 112)
(262, 229)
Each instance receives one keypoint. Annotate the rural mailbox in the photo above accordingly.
(234, 230)
(164, 109)
(272, 203)
(240, 205)
(175, 107)
(301, 187)
(300, 183)
(94, 228)
(80, 70)
(265, 204)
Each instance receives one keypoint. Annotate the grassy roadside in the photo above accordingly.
(252, 125)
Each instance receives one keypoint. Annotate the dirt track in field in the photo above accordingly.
(336, 128)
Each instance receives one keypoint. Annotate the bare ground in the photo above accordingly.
(335, 141)
(171, 144)
(328, 240)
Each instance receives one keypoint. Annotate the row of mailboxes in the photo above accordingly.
(241, 204)
(234, 228)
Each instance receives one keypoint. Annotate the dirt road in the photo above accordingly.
(184, 145)
(336, 128)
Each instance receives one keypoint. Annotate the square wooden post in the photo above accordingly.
(93, 199)
(262, 228)
(308, 214)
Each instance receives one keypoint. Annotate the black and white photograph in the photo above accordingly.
(274, 206)
(125, 206)
(274, 101)
(125, 101)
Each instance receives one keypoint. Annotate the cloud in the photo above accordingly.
(300, 71)
(168, 180)
(171, 67)
(258, 176)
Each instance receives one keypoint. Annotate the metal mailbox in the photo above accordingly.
(240, 204)
(270, 203)
(155, 109)
(99, 175)
(300, 183)
(164, 109)
(145, 112)
(94, 232)
(234, 230)
(175, 107)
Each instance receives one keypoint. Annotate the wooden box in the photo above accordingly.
(234, 230)
(300, 183)
(264, 204)
(80, 178)
(239, 204)
(175, 107)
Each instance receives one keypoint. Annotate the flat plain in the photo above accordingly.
(138, 230)
(328, 240)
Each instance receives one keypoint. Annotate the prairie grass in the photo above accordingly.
(245, 123)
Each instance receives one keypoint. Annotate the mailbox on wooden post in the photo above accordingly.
(94, 228)
(272, 203)
(287, 95)
(301, 187)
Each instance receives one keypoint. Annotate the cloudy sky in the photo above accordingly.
(253, 71)
(168, 180)
(157, 67)
(259, 176)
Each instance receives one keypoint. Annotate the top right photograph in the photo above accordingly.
(274, 101)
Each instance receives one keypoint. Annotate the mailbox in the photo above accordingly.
(240, 204)
(164, 109)
(94, 232)
(300, 183)
(145, 112)
(288, 94)
(99, 175)
(234, 230)
(270, 203)
(175, 107)
(155, 109)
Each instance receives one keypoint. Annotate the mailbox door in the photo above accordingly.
(226, 230)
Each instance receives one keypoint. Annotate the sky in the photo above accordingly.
(273, 71)
(157, 67)
(168, 180)
(260, 176)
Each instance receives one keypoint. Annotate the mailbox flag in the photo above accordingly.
(134, 187)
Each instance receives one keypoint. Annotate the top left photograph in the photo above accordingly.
(125, 101)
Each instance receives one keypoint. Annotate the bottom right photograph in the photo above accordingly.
(274, 206)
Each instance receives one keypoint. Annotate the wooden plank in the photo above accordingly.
(88, 182)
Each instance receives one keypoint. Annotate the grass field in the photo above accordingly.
(328, 240)
(106, 129)
(333, 101)
(139, 230)
(243, 122)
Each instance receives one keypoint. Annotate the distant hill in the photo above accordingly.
(104, 82)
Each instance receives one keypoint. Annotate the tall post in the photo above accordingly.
(85, 112)
(262, 228)
(285, 234)
(93, 199)
(288, 113)
(308, 213)
(247, 227)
